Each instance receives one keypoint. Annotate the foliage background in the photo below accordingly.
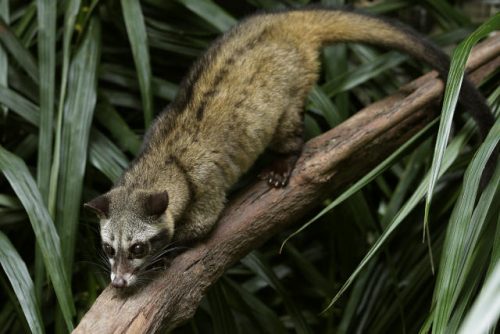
(80, 81)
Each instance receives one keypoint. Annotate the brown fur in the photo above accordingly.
(244, 95)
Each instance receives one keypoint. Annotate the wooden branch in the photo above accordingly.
(329, 163)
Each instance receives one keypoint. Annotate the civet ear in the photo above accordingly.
(100, 206)
(155, 204)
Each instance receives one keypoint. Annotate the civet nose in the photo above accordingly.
(119, 282)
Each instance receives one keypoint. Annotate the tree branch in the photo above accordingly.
(329, 163)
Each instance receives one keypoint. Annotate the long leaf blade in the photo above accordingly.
(256, 263)
(70, 14)
(19, 104)
(78, 113)
(361, 182)
(21, 282)
(17, 50)
(103, 154)
(451, 94)
(463, 233)
(26, 190)
(451, 155)
(486, 310)
(4, 62)
(47, 17)
(211, 12)
(136, 30)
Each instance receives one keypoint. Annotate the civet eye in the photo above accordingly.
(110, 252)
(138, 250)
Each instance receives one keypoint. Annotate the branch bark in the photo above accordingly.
(329, 163)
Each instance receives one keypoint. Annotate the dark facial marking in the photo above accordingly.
(122, 261)
(138, 250)
(108, 250)
(159, 240)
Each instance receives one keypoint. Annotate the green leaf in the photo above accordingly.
(383, 7)
(463, 232)
(109, 118)
(126, 78)
(451, 155)
(495, 252)
(335, 61)
(324, 105)
(77, 118)
(486, 309)
(20, 105)
(471, 286)
(118, 98)
(363, 73)
(6, 317)
(17, 50)
(47, 238)
(106, 157)
(211, 13)
(70, 14)
(355, 299)
(410, 174)
(25, 19)
(448, 15)
(9, 201)
(136, 30)
(256, 264)
(315, 278)
(47, 18)
(4, 62)
(21, 282)
(222, 317)
(251, 305)
(362, 182)
(452, 90)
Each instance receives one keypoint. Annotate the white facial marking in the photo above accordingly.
(168, 220)
(122, 233)
(106, 232)
(130, 279)
(137, 262)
